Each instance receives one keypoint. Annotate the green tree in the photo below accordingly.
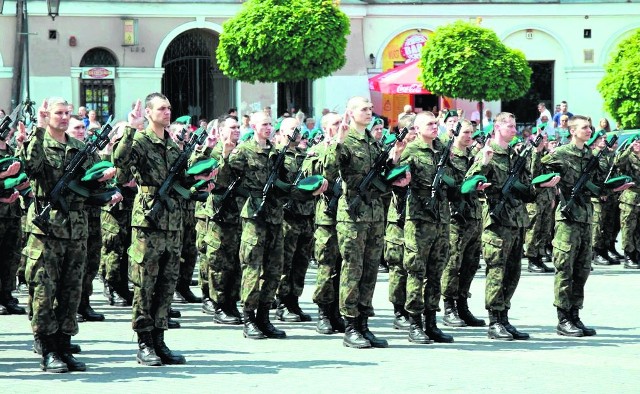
(284, 41)
(620, 86)
(464, 60)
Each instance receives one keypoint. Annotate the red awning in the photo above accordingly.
(400, 80)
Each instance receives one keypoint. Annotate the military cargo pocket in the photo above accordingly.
(491, 250)
(249, 253)
(561, 246)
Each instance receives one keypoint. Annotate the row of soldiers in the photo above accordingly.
(272, 203)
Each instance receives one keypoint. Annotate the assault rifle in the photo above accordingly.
(224, 199)
(506, 193)
(374, 173)
(275, 171)
(336, 192)
(162, 199)
(437, 194)
(8, 121)
(71, 172)
(576, 193)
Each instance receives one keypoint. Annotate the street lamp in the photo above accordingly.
(53, 6)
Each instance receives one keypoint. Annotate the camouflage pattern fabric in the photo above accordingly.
(298, 239)
(464, 259)
(629, 164)
(502, 252)
(10, 238)
(94, 246)
(189, 254)
(222, 247)
(327, 255)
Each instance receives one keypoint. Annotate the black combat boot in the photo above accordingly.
(337, 322)
(146, 354)
(174, 313)
(614, 253)
(631, 261)
(466, 315)
(51, 361)
(264, 324)
(11, 304)
(37, 346)
(208, 307)
(601, 257)
(86, 311)
(115, 299)
(362, 322)
(432, 330)
(416, 333)
(4, 311)
(222, 316)
(64, 349)
(166, 355)
(293, 304)
(284, 314)
(575, 318)
(401, 317)
(232, 309)
(520, 336)
(352, 337)
(184, 292)
(250, 329)
(496, 329)
(537, 266)
(172, 324)
(23, 288)
(324, 323)
(451, 317)
(565, 326)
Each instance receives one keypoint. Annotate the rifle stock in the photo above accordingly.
(437, 195)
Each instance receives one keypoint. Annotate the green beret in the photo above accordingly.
(246, 136)
(544, 178)
(488, 128)
(79, 188)
(542, 126)
(6, 162)
(610, 136)
(450, 113)
(551, 138)
(397, 173)
(103, 197)
(595, 136)
(10, 183)
(471, 184)
(478, 134)
(534, 130)
(276, 127)
(185, 119)
(204, 166)
(310, 183)
(96, 171)
(515, 141)
(617, 181)
(389, 138)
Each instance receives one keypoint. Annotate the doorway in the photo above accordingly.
(541, 90)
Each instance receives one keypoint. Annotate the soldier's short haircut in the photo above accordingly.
(573, 121)
(53, 101)
(76, 117)
(324, 122)
(149, 98)
(504, 116)
(406, 121)
(355, 101)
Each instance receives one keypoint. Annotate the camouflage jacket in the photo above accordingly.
(45, 160)
(9, 211)
(293, 161)
(314, 165)
(629, 164)
(352, 160)
(122, 177)
(423, 160)
(468, 205)
(150, 159)
(497, 172)
(569, 161)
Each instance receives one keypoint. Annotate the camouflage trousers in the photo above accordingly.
(393, 255)
(361, 249)
(54, 272)
(464, 259)
(426, 251)
(221, 258)
(502, 251)
(298, 238)
(94, 244)
(630, 228)
(540, 230)
(155, 263)
(23, 244)
(189, 254)
(597, 225)
(116, 239)
(201, 247)
(327, 255)
(572, 259)
(10, 245)
(261, 254)
(611, 219)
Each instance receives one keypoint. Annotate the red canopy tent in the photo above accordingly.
(400, 80)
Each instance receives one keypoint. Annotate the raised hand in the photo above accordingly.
(322, 189)
(487, 152)
(135, 118)
(43, 113)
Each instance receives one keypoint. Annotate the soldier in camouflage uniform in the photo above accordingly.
(503, 236)
(360, 234)
(572, 240)
(464, 238)
(426, 233)
(394, 243)
(297, 231)
(155, 250)
(261, 242)
(629, 163)
(10, 238)
(56, 261)
(94, 243)
(325, 237)
(220, 244)
(538, 234)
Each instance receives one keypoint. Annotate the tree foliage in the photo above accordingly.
(284, 41)
(464, 60)
(620, 86)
